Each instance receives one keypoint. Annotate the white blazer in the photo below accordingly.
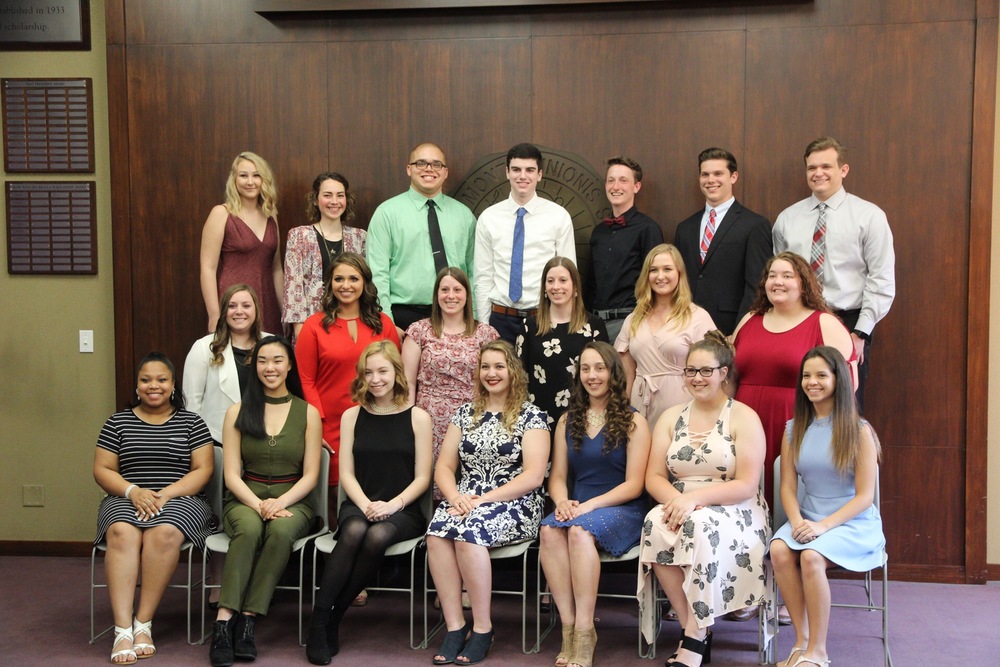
(210, 390)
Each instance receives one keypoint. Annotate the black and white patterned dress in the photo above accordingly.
(489, 457)
(154, 456)
(720, 548)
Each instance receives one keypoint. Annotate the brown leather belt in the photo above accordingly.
(514, 312)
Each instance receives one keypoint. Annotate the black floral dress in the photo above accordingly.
(489, 457)
(720, 548)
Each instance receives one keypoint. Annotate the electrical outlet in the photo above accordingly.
(33, 495)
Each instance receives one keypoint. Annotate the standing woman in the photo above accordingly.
(152, 459)
(239, 243)
(331, 341)
(835, 521)
(788, 318)
(551, 343)
(655, 338)
(601, 446)
(217, 369)
(706, 540)
(312, 248)
(271, 459)
(440, 354)
(385, 469)
(490, 469)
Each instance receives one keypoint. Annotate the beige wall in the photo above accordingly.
(53, 399)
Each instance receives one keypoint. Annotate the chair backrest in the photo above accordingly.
(320, 494)
(217, 485)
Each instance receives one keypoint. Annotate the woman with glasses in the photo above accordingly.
(705, 540)
(655, 338)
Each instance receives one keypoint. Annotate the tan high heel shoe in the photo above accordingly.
(566, 650)
(583, 647)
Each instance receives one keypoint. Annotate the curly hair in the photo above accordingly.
(812, 293)
(312, 197)
(620, 422)
(517, 394)
(644, 297)
(268, 197)
(221, 338)
(400, 388)
(368, 303)
(579, 318)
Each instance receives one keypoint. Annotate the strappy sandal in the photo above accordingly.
(811, 661)
(702, 648)
(120, 634)
(583, 647)
(787, 662)
(476, 649)
(139, 628)
(566, 650)
(453, 642)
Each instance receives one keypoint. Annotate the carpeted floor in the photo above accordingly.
(45, 617)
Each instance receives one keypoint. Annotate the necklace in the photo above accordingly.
(379, 410)
(596, 419)
(277, 400)
(330, 253)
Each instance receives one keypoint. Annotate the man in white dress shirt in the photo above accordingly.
(849, 244)
(514, 240)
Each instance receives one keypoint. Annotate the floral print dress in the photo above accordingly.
(550, 361)
(720, 548)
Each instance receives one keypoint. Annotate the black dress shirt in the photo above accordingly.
(616, 256)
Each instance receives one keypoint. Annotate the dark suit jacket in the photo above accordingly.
(726, 283)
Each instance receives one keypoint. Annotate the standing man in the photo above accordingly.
(416, 234)
(725, 245)
(848, 242)
(514, 240)
(618, 247)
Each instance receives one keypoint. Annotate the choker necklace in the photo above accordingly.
(595, 419)
(379, 410)
(277, 400)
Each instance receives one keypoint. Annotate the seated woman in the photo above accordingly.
(385, 470)
(602, 445)
(271, 452)
(835, 453)
(490, 470)
(706, 540)
(152, 459)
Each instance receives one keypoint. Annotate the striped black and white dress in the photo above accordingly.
(154, 456)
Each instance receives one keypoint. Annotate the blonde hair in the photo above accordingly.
(579, 317)
(517, 393)
(680, 313)
(359, 387)
(268, 197)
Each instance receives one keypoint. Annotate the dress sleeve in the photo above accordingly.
(110, 438)
(598, 329)
(307, 360)
(198, 433)
(625, 335)
(533, 417)
(389, 331)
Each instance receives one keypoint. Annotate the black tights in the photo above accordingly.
(359, 552)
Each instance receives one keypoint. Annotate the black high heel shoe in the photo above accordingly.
(702, 648)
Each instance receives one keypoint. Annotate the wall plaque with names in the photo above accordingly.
(45, 25)
(48, 125)
(51, 228)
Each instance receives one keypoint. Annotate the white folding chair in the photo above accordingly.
(326, 544)
(780, 519)
(317, 499)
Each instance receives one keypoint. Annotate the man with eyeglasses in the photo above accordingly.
(414, 235)
(514, 240)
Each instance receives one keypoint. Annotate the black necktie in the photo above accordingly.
(437, 245)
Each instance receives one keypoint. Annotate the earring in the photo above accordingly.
(173, 393)
(136, 394)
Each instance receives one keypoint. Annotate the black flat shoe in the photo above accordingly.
(453, 642)
(476, 649)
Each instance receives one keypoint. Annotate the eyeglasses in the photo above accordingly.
(436, 165)
(704, 372)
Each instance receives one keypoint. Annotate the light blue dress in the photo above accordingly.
(856, 544)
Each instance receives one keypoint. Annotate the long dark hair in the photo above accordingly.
(368, 303)
(250, 420)
(176, 397)
(619, 424)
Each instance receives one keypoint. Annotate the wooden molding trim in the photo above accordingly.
(39, 548)
(993, 571)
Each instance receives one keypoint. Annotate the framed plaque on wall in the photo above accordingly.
(48, 125)
(51, 228)
(45, 25)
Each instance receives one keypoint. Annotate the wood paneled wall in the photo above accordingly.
(907, 85)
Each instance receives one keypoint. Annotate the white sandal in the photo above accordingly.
(146, 628)
(120, 634)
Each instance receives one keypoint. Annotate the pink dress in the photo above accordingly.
(446, 377)
(246, 259)
(659, 359)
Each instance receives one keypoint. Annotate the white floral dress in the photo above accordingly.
(720, 548)
(550, 361)
(489, 457)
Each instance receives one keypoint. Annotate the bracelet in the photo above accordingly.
(128, 490)
(402, 503)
